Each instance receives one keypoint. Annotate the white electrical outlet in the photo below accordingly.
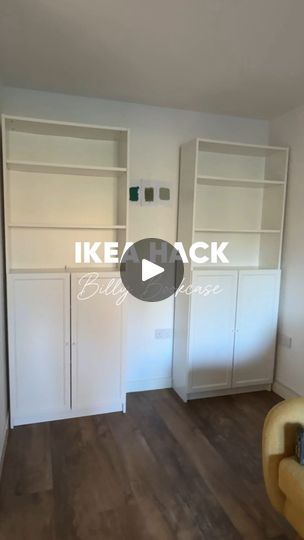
(163, 333)
(284, 341)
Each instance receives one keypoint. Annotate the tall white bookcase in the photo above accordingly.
(63, 182)
(235, 193)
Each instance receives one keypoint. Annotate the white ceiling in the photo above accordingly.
(240, 57)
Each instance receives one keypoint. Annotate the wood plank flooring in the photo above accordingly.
(165, 470)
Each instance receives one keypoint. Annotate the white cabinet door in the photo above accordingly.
(39, 343)
(97, 345)
(212, 330)
(256, 327)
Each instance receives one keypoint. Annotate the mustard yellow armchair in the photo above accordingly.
(284, 477)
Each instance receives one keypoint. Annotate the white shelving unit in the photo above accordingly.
(63, 182)
(239, 192)
(235, 193)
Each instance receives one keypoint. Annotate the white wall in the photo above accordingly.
(156, 135)
(288, 130)
(3, 378)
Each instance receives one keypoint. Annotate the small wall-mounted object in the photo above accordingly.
(151, 193)
(134, 194)
(164, 194)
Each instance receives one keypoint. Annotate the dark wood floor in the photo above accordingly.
(165, 470)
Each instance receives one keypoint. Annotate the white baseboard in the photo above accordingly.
(158, 383)
(283, 391)
(228, 391)
(103, 408)
(4, 437)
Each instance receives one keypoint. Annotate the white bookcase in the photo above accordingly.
(235, 193)
(63, 182)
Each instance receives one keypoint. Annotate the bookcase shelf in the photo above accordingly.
(106, 270)
(61, 226)
(237, 148)
(239, 182)
(59, 168)
(241, 231)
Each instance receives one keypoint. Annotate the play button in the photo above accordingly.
(151, 269)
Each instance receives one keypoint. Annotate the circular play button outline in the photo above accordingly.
(151, 269)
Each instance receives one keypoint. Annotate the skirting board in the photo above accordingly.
(4, 444)
(107, 407)
(228, 391)
(158, 383)
(283, 391)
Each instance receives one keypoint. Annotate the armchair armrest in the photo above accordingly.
(279, 436)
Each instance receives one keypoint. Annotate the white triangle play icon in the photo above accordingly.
(150, 270)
